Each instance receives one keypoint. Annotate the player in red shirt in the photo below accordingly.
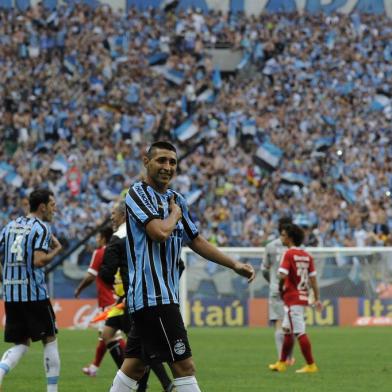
(296, 273)
(105, 294)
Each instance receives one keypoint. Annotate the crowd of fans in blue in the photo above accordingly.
(85, 90)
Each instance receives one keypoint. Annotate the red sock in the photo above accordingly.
(306, 348)
(99, 353)
(122, 343)
(287, 347)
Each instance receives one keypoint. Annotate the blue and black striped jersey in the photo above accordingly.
(22, 281)
(154, 266)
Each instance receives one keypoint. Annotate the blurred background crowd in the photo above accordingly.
(301, 128)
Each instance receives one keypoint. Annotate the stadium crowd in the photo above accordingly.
(81, 98)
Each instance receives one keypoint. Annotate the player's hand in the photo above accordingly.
(175, 209)
(55, 244)
(245, 270)
(319, 306)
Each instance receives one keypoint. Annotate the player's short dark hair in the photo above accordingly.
(106, 232)
(295, 233)
(284, 220)
(39, 196)
(162, 145)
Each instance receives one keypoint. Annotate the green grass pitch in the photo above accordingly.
(231, 360)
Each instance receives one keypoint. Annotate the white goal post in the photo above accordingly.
(356, 272)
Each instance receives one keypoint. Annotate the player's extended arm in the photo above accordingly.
(316, 292)
(160, 229)
(42, 258)
(201, 246)
(87, 280)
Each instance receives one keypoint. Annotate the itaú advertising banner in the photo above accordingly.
(78, 313)
(254, 312)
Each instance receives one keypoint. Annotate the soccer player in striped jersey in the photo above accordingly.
(297, 273)
(114, 271)
(28, 245)
(158, 225)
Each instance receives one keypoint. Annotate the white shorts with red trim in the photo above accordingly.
(294, 319)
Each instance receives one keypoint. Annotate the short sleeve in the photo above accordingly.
(140, 205)
(44, 237)
(312, 269)
(190, 229)
(95, 263)
(284, 266)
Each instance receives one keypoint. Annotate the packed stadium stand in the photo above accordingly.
(299, 126)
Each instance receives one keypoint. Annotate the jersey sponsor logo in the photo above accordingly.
(301, 258)
(179, 347)
(20, 230)
(140, 191)
(15, 281)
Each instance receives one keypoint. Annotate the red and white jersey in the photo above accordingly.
(105, 293)
(297, 265)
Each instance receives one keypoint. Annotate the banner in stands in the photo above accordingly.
(256, 7)
(247, 6)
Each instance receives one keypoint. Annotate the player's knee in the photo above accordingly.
(133, 368)
(49, 339)
(108, 335)
(138, 372)
(184, 368)
(286, 331)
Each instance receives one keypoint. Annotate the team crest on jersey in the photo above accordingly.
(179, 347)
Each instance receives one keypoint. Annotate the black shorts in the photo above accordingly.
(33, 320)
(122, 322)
(158, 334)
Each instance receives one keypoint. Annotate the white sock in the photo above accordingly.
(52, 365)
(11, 358)
(186, 384)
(123, 383)
(279, 337)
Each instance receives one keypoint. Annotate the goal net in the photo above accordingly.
(353, 281)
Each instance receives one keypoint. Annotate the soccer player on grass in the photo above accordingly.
(28, 245)
(158, 224)
(105, 295)
(273, 255)
(296, 272)
(114, 271)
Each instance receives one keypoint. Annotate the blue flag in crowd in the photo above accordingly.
(323, 143)
(268, 155)
(186, 130)
(379, 102)
(172, 75)
(216, 79)
(193, 196)
(346, 193)
(295, 178)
